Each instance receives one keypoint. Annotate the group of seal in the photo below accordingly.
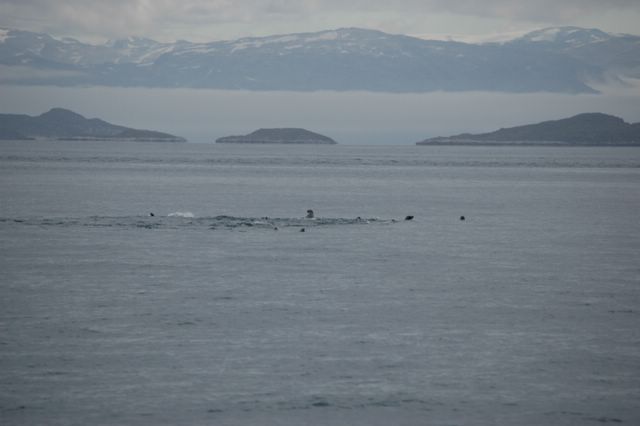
(311, 215)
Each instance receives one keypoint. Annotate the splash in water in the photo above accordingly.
(181, 214)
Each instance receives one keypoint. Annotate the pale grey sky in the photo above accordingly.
(206, 20)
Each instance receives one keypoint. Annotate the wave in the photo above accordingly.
(178, 220)
(549, 157)
(317, 402)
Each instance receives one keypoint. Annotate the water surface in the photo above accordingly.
(524, 313)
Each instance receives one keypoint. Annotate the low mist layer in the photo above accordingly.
(348, 117)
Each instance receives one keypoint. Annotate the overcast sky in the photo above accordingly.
(207, 20)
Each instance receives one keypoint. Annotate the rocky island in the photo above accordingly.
(591, 129)
(280, 136)
(62, 124)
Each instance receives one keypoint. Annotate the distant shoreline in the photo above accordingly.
(273, 143)
(541, 143)
(60, 123)
(587, 129)
(90, 139)
(397, 145)
(87, 139)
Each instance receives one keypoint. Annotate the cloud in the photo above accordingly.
(526, 9)
(117, 18)
(193, 19)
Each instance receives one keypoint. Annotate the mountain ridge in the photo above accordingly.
(550, 60)
(591, 129)
(60, 123)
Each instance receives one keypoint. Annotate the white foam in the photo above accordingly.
(181, 214)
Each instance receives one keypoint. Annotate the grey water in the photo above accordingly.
(218, 310)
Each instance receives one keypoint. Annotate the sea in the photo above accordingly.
(182, 284)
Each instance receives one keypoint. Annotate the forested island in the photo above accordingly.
(280, 136)
(590, 129)
(63, 124)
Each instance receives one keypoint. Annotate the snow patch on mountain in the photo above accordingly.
(4, 34)
(569, 36)
(330, 35)
(550, 34)
(255, 43)
(247, 44)
(150, 57)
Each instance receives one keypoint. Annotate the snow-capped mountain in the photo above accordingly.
(554, 59)
(137, 50)
(614, 53)
(567, 36)
(24, 47)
